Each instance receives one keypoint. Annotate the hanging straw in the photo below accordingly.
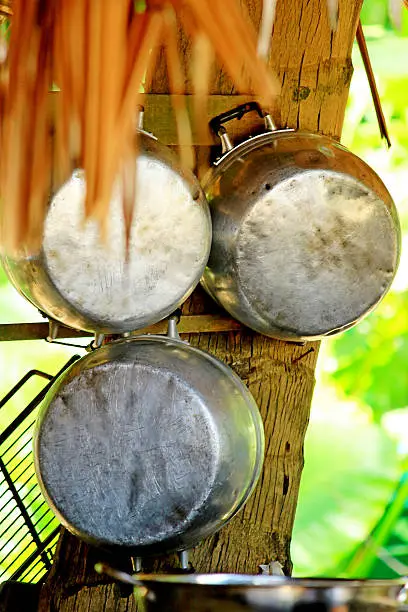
(99, 55)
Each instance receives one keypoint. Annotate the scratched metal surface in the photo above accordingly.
(86, 283)
(148, 444)
(306, 237)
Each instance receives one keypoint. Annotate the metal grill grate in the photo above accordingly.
(28, 529)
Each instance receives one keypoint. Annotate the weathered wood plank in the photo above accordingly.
(191, 324)
(10, 332)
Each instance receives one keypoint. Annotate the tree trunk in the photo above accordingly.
(315, 69)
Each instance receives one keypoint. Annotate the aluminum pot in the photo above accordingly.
(148, 445)
(239, 593)
(306, 238)
(86, 284)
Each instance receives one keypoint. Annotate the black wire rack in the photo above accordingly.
(28, 529)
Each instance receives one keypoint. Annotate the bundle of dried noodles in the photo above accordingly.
(101, 55)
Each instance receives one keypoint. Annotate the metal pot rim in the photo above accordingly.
(259, 581)
(257, 142)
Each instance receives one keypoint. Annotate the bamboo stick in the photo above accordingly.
(23, 69)
(112, 58)
(201, 64)
(136, 32)
(92, 101)
(147, 54)
(205, 18)
(266, 28)
(75, 25)
(382, 124)
(61, 67)
(176, 79)
(262, 80)
(40, 163)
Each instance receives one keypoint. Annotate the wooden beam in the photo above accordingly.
(11, 332)
(191, 324)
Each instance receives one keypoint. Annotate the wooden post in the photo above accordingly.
(314, 66)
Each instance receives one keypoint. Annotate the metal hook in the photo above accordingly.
(270, 125)
(226, 144)
(183, 557)
(53, 328)
(98, 341)
(172, 331)
(140, 119)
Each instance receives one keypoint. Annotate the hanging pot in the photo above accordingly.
(148, 444)
(306, 238)
(239, 593)
(84, 283)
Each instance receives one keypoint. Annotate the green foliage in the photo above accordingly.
(372, 358)
(375, 13)
(362, 562)
(350, 474)
(5, 28)
(352, 517)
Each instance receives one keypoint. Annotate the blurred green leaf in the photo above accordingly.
(363, 560)
(372, 358)
(351, 465)
(350, 473)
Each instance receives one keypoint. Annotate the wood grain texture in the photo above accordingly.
(315, 69)
(282, 384)
(280, 376)
(313, 64)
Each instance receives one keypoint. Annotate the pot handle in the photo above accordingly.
(140, 591)
(217, 123)
(103, 568)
